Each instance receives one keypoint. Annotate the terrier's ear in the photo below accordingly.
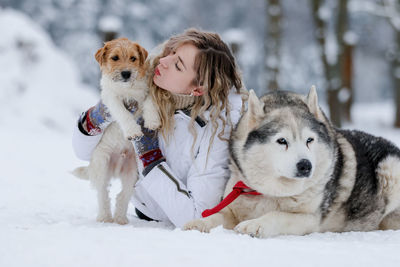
(312, 103)
(255, 109)
(144, 65)
(142, 54)
(101, 54)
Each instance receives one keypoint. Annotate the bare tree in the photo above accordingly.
(347, 80)
(346, 42)
(272, 43)
(390, 9)
(396, 78)
(334, 70)
(392, 12)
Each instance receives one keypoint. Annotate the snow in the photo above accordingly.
(344, 95)
(139, 10)
(47, 216)
(274, 10)
(110, 24)
(324, 13)
(350, 38)
(234, 35)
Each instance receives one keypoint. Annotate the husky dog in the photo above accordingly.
(312, 177)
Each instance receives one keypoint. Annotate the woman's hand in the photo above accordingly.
(148, 149)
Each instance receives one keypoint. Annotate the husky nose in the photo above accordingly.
(126, 74)
(303, 168)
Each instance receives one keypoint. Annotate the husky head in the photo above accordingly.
(283, 144)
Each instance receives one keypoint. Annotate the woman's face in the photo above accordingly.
(175, 72)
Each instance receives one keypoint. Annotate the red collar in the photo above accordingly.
(238, 189)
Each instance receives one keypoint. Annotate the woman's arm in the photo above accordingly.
(205, 183)
(84, 145)
(89, 129)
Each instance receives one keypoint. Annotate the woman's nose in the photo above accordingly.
(165, 61)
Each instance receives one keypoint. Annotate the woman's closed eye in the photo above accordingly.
(177, 67)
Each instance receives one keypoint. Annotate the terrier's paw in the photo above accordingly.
(121, 219)
(255, 228)
(133, 131)
(199, 225)
(152, 122)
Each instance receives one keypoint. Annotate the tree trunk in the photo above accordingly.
(273, 43)
(396, 75)
(334, 71)
(339, 67)
(330, 72)
(347, 80)
(345, 63)
(395, 63)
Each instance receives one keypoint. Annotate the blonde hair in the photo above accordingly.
(217, 73)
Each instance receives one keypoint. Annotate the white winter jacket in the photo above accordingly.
(179, 189)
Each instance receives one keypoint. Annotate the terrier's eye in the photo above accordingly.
(115, 58)
(133, 59)
(282, 141)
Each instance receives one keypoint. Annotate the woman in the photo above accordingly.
(196, 85)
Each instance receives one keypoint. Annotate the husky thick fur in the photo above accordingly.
(312, 176)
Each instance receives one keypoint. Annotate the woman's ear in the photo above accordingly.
(198, 91)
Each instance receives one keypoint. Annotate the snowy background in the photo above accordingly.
(47, 216)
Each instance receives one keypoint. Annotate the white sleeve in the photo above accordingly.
(84, 145)
(205, 183)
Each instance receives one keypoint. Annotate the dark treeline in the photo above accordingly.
(348, 48)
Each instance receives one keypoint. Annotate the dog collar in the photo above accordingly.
(238, 189)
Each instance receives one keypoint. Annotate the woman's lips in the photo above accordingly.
(157, 72)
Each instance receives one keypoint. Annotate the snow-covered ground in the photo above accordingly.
(47, 216)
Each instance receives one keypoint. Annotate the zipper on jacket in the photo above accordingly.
(198, 120)
(161, 167)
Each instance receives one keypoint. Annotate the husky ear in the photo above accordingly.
(312, 103)
(255, 109)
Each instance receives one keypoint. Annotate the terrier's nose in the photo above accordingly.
(126, 74)
(304, 167)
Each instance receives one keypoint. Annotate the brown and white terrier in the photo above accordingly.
(124, 81)
(123, 67)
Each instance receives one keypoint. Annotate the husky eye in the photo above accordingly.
(282, 141)
(115, 58)
(133, 59)
(309, 141)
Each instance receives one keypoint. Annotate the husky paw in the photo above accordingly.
(255, 228)
(199, 225)
(105, 218)
(121, 219)
(152, 123)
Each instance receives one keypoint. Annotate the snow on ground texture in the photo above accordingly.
(47, 216)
